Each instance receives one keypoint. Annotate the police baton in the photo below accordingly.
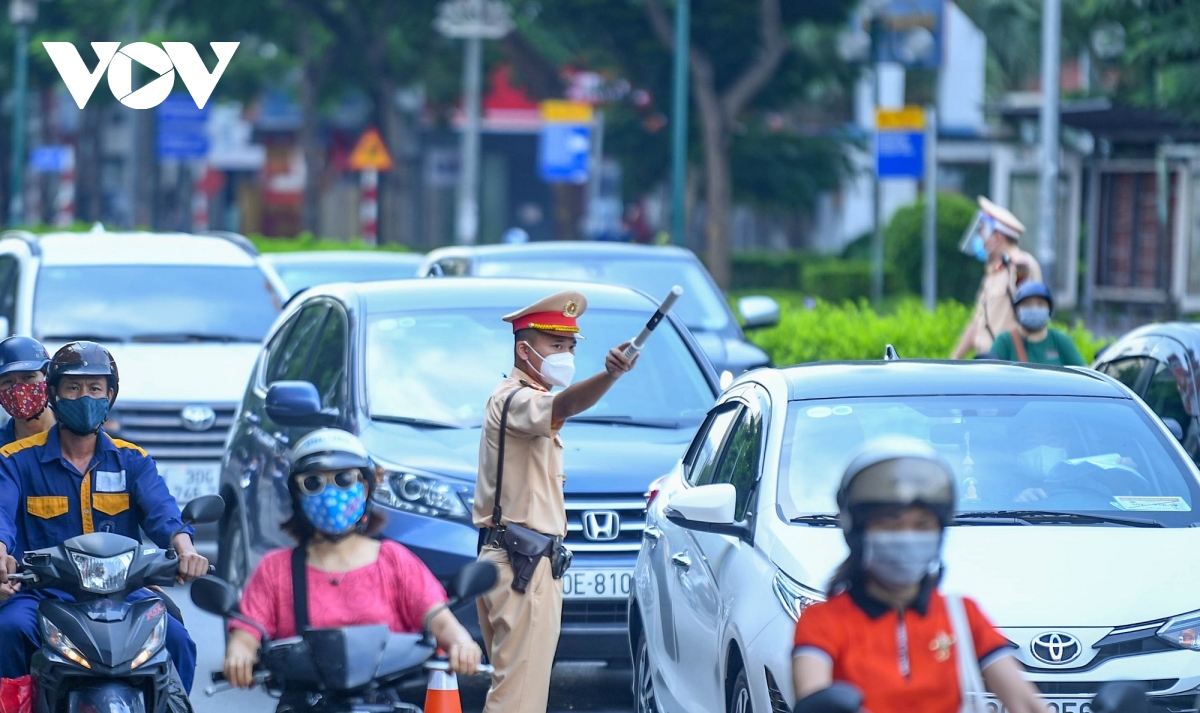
(640, 340)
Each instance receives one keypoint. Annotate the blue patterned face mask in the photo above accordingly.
(335, 511)
(83, 415)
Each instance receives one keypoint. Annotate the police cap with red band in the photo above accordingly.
(556, 314)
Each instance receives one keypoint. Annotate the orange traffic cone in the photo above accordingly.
(442, 694)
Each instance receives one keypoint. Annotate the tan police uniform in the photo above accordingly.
(521, 630)
(994, 311)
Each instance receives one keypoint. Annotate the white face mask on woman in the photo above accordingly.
(557, 369)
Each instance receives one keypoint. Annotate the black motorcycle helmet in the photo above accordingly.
(20, 353)
(81, 359)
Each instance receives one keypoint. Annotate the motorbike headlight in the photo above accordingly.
(153, 644)
(1182, 631)
(423, 494)
(794, 597)
(102, 575)
(58, 641)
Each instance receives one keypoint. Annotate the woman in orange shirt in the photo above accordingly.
(886, 629)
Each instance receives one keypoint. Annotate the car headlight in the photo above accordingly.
(427, 495)
(153, 644)
(1182, 631)
(58, 641)
(102, 575)
(794, 597)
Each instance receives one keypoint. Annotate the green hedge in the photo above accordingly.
(305, 242)
(762, 269)
(853, 330)
(840, 280)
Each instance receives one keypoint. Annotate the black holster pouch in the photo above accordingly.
(525, 549)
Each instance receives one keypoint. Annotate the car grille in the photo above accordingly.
(621, 518)
(598, 612)
(159, 428)
(1088, 688)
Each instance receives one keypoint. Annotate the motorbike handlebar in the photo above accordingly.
(23, 577)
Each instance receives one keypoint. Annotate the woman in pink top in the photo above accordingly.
(352, 578)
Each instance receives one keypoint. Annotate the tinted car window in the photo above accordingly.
(153, 303)
(10, 279)
(442, 365)
(739, 463)
(1084, 454)
(291, 357)
(702, 466)
(702, 308)
(1126, 371)
(328, 368)
(1163, 396)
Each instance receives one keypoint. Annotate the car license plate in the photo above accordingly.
(190, 480)
(1056, 704)
(597, 583)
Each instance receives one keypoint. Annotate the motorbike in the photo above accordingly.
(351, 669)
(101, 652)
(1113, 697)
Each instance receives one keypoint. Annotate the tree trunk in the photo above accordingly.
(395, 190)
(310, 144)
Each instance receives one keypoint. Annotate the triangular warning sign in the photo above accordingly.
(370, 153)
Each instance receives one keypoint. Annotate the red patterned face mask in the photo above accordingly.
(24, 401)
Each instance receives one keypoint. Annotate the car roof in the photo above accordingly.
(441, 293)
(556, 248)
(343, 256)
(850, 379)
(138, 248)
(1187, 333)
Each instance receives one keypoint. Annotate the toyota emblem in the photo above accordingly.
(1055, 648)
(198, 417)
(601, 525)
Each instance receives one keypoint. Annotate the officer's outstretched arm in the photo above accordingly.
(581, 396)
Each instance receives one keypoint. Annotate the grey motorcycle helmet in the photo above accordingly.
(894, 472)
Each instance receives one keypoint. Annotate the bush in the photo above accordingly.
(305, 242)
(958, 276)
(854, 331)
(761, 269)
(839, 280)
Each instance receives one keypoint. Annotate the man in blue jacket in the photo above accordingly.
(75, 479)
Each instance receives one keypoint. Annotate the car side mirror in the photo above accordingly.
(758, 311)
(1174, 427)
(835, 698)
(215, 596)
(203, 510)
(297, 403)
(706, 508)
(471, 581)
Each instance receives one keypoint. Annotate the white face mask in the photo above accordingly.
(557, 369)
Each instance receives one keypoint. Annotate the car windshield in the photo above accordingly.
(1032, 454)
(153, 303)
(702, 308)
(441, 366)
(299, 276)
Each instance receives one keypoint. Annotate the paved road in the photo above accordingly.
(576, 687)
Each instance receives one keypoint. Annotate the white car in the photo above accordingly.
(183, 315)
(1095, 578)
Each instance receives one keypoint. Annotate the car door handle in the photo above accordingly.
(681, 560)
(652, 533)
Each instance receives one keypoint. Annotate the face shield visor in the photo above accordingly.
(977, 232)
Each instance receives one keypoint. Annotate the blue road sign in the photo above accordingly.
(181, 129)
(900, 154)
(48, 159)
(563, 153)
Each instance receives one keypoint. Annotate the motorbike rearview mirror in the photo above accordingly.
(1120, 697)
(203, 510)
(215, 596)
(836, 698)
(472, 581)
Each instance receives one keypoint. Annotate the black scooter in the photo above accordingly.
(1115, 697)
(352, 669)
(100, 652)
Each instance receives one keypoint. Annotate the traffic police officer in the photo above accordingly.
(992, 239)
(74, 479)
(23, 363)
(521, 630)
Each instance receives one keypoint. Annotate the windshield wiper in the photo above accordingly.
(820, 520)
(410, 421)
(1050, 517)
(184, 337)
(83, 337)
(625, 421)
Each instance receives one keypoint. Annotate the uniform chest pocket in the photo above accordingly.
(47, 506)
(111, 503)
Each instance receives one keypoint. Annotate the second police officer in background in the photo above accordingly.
(519, 505)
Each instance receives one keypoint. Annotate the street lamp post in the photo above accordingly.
(1049, 125)
(22, 14)
(680, 121)
(473, 21)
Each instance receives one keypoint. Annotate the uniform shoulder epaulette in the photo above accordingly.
(126, 444)
(37, 439)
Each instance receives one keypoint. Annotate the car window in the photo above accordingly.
(328, 368)
(740, 459)
(1163, 396)
(1126, 371)
(292, 357)
(453, 266)
(1063, 454)
(10, 279)
(703, 460)
(304, 275)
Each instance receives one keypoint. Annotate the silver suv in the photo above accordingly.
(183, 315)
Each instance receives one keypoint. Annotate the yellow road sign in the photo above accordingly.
(370, 153)
(557, 111)
(910, 118)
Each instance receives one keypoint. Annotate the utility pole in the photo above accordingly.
(876, 203)
(21, 13)
(929, 283)
(679, 119)
(1048, 213)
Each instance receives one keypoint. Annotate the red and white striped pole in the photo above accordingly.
(369, 211)
(200, 196)
(64, 198)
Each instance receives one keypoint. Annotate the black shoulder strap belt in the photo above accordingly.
(300, 588)
(500, 458)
